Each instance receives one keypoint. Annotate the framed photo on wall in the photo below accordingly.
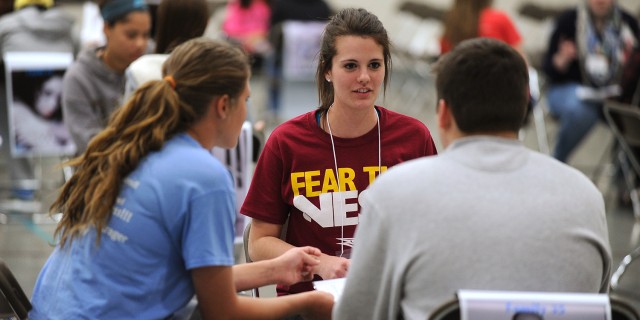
(34, 104)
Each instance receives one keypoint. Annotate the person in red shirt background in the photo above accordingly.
(476, 18)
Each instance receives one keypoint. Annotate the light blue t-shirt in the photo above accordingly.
(175, 212)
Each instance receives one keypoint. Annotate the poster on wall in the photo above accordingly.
(34, 103)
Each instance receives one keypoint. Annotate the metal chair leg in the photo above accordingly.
(615, 278)
(541, 129)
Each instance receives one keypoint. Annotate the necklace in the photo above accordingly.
(335, 163)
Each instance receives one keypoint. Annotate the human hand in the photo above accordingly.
(319, 307)
(566, 53)
(331, 267)
(296, 265)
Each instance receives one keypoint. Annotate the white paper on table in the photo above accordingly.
(333, 286)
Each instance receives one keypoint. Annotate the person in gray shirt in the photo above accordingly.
(94, 84)
(487, 213)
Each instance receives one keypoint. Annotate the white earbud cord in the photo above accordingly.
(335, 163)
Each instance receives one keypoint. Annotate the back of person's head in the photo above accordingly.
(195, 73)
(45, 4)
(348, 22)
(114, 11)
(203, 69)
(485, 84)
(179, 21)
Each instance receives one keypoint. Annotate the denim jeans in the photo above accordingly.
(576, 117)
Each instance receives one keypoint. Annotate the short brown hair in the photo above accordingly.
(485, 83)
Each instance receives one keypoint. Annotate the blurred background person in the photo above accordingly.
(177, 22)
(94, 85)
(586, 52)
(247, 23)
(469, 19)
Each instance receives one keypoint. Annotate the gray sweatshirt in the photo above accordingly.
(91, 92)
(31, 29)
(486, 214)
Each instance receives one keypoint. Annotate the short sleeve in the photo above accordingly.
(209, 232)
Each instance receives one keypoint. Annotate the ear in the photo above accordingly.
(327, 76)
(222, 106)
(106, 29)
(443, 114)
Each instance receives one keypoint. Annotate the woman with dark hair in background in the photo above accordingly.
(177, 22)
(94, 84)
(469, 19)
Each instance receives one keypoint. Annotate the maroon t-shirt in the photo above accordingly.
(295, 178)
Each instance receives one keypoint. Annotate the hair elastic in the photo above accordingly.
(171, 80)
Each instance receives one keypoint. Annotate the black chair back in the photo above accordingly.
(14, 303)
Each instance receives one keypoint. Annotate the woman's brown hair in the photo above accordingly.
(461, 22)
(179, 21)
(201, 70)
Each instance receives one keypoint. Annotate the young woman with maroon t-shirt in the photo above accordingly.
(295, 179)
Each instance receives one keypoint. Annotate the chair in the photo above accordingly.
(239, 163)
(14, 304)
(415, 47)
(536, 86)
(422, 25)
(624, 120)
(423, 10)
(245, 246)
(449, 310)
(622, 310)
(300, 47)
(292, 67)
